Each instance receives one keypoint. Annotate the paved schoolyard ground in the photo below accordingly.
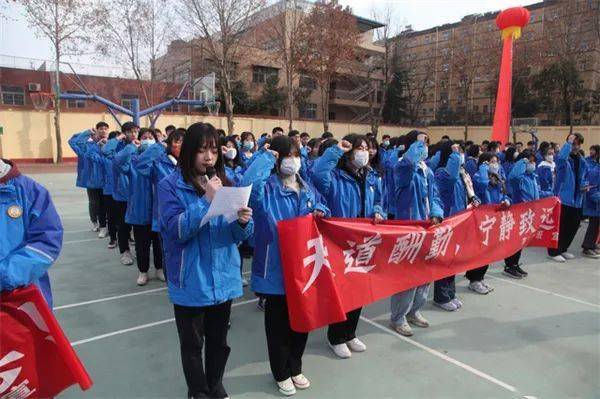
(538, 337)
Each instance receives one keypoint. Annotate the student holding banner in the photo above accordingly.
(202, 262)
(416, 198)
(278, 193)
(352, 189)
(457, 192)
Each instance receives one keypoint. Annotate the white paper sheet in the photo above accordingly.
(227, 202)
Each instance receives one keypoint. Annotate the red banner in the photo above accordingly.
(36, 358)
(332, 266)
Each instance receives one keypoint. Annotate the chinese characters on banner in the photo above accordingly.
(332, 266)
(36, 358)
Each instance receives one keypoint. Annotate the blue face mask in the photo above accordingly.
(530, 167)
(248, 145)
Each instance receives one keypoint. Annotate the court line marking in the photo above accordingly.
(143, 326)
(80, 231)
(115, 297)
(569, 298)
(442, 356)
(86, 240)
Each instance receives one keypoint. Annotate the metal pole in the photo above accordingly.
(135, 110)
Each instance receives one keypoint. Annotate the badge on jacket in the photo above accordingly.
(14, 211)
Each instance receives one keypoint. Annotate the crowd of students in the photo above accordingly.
(159, 187)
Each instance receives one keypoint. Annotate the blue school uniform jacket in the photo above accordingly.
(155, 164)
(389, 161)
(118, 180)
(95, 163)
(471, 166)
(416, 193)
(524, 185)
(31, 233)
(139, 201)
(202, 263)
(566, 181)
(591, 203)
(545, 173)
(272, 202)
(343, 194)
(485, 190)
(451, 186)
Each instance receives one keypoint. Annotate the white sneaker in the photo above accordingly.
(589, 253)
(286, 387)
(402, 329)
(557, 258)
(126, 259)
(448, 306)
(341, 350)
(417, 319)
(103, 232)
(486, 285)
(478, 287)
(301, 382)
(160, 274)
(95, 227)
(568, 255)
(457, 302)
(356, 345)
(142, 279)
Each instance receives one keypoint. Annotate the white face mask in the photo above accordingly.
(462, 159)
(231, 153)
(148, 142)
(361, 158)
(550, 158)
(516, 154)
(290, 166)
(494, 168)
(530, 167)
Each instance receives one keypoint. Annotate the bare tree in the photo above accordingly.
(220, 26)
(280, 34)
(326, 46)
(65, 24)
(134, 33)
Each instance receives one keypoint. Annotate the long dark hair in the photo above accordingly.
(285, 147)
(175, 135)
(356, 140)
(445, 152)
(200, 136)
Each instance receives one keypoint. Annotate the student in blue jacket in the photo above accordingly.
(524, 188)
(248, 146)
(234, 167)
(456, 192)
(490, 188)
(472, 160)
(510, 156)
(31, 232)
(89, 175)
(279, 193)
(570, 185)
(139, 205)
(202, 261)
(417, 198)
(546, 170)
(107, 192)
(120, 190)
(591, 204)
(352, 189)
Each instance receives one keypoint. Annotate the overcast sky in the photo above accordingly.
(17, 39)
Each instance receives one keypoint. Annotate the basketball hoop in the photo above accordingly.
(213, 108)
(41, 100)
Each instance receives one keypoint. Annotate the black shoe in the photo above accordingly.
(512, 272)
(523, 272)
(112, 244)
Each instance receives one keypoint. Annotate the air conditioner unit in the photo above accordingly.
(34, 87)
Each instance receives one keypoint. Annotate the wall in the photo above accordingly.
(29, 135)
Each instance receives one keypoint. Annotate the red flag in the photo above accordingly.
(36, 358)
(332, 266)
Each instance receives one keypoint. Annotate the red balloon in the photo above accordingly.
(515, 16)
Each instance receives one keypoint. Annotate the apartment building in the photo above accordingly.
(257, 60)
(438, 57)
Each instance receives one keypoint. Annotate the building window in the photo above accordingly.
(331, 115)
(260, 74)
(126, 100)
(485, 109)
(306, 82)
(309, 112)
(13, 95)
(532, 17)
(75, 103)
(446, 35)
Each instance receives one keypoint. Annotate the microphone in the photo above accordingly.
(210, 172)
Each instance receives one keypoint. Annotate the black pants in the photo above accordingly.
(144, 238)
(476, 274)
(569, 224)
(204, 326)
(513, 260)
(444, 290)
(123, 229)
(344, 331)
(96, 206)
(110, 217)
(285, 346)
(591, 234)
